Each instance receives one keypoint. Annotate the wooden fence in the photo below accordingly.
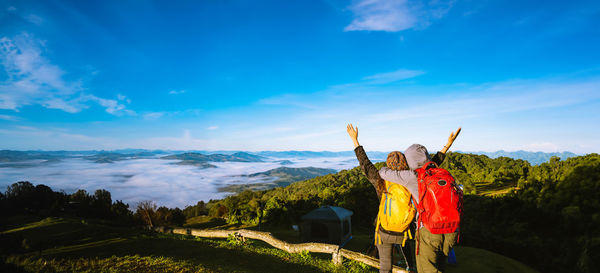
(336, 252)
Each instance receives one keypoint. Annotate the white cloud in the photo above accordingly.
(397, 75)
(176, 92)
(395, 15)
(214, 127)
(33, 80)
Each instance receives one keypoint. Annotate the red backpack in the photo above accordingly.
(440, 199)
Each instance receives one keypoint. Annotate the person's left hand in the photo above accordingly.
(353, 133)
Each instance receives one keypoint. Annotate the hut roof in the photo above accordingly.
(327, 213)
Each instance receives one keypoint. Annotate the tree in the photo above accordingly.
(121, 211)
(177, 217)
(146, 210)
(82, 203)
(21, 196)
(101, 203)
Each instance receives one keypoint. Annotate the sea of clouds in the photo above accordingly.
(155, 179)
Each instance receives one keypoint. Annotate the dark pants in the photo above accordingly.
(433, 250)
(385, 257)
(385, 251)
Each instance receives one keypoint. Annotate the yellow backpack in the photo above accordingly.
(395, 211)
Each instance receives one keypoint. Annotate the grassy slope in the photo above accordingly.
(493, 189)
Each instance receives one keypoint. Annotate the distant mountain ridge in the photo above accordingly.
(535, 158)
(198, 157)
(313, 154)
(110, 157)
(100, 156)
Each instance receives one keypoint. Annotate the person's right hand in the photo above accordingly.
(452, 137)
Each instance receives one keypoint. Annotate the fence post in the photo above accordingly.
(336, 257)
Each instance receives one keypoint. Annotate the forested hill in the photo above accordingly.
(197, 157)
(547, 216)
(283, 177)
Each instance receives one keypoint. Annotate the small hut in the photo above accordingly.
(327, 224)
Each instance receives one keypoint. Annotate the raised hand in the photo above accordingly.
(353, 133)
(451, 139)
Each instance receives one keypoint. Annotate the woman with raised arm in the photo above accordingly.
(384, 239)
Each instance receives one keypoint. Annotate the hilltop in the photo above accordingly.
(283, 176)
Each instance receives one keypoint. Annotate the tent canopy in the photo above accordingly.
(328, 213)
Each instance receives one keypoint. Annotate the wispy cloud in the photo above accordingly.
(499, 98)
(123, 98)
(401, 74)
(9, 118)
(176, 92)
(287, 99)
(548, 147)
(429, 111)
(395, 15)
(21, 137)
(11, 8)
(214, 127)
(185, 142)
(112, 106)
(34, 19)
(153, 115)
(33, 79)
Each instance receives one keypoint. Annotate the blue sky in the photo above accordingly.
(289, 75)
